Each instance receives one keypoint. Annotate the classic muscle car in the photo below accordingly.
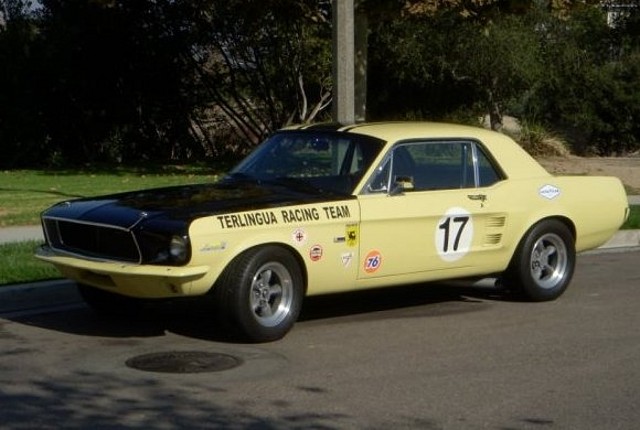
(323, 209)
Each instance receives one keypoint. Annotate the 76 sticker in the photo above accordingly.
(454, 234)
(372, 261)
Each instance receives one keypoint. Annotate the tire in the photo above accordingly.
(109, 304)
(259, 295)
(544, 262)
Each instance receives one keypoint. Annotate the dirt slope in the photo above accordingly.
(625, 168)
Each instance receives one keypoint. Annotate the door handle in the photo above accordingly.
(477, 197)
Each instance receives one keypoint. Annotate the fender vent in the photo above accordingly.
(492, 239)
(496, 221)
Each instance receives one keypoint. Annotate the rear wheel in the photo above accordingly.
(544, 262)
(260, 293)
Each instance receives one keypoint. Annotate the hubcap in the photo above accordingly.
(271, 294)
(549, 261)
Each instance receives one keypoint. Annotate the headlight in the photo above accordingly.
(179, 249)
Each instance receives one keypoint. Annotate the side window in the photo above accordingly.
(380, 180)
(398, 167)
(443, 165)
(451, 165)
(487, 174)
(433, 165)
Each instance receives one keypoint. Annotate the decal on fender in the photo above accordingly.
(454, 234)
(352, 234)
(315, 253)
(283, 216)
(346, 259)
(549, 192)
(299, 236)
(220, 246)
(372, 261)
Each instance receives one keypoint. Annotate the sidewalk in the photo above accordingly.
(22, 233)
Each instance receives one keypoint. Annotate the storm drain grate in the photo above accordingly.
(183, 362)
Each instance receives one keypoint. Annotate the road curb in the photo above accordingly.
(623, 239)
(23, 297)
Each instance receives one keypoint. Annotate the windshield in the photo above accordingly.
(320, 161)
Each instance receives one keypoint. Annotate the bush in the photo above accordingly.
(590, 91)
(539, 142)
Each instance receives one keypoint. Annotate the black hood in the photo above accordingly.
(184, 203)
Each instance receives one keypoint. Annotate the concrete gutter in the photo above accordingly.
(55, 294)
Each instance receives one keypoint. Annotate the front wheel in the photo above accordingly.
(544, 262)
(260, 293)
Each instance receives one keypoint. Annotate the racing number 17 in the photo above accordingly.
(459, 222)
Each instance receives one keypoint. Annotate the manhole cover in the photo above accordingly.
(184, 362)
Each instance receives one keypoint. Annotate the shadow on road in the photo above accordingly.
(194, 318)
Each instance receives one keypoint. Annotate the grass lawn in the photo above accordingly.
(633, 223)
(17, 264)
(25, 193)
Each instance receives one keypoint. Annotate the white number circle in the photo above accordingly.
(454, 234)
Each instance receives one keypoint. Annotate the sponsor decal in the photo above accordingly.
(248, 219)
(352, 234)
(214, 247)
(283, 216)
(346, 259)
(299, 236)
(315, 253)
(336, 212)
(549, 192)
(372, 261)
(454, 234)
(299, 215)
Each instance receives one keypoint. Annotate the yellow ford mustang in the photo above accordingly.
(321, 209)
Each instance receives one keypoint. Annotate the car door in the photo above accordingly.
(428, 209)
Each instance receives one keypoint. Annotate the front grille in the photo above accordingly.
(92, 240)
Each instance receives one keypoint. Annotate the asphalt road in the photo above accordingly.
(426, 357)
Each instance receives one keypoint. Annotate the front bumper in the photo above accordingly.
(134, 280)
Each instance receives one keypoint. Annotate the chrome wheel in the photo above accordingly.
(549, 261)
(271, 294)
(543, 264)
(259, 295)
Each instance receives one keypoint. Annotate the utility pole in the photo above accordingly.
(361, 29)
(343, 14)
